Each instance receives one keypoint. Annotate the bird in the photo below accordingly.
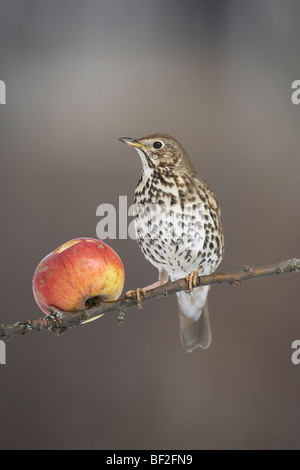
(178, 228)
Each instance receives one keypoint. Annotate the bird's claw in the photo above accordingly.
(137, 293)
(191, 279)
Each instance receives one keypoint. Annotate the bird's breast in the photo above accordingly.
(175, 225)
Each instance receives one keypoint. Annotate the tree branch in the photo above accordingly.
(59, 321)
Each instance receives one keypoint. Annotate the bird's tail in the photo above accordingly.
(194, 319)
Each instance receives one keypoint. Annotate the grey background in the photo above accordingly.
(217, 75)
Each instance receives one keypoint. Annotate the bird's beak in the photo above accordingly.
(133, 143)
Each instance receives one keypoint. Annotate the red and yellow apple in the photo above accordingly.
(79, 270)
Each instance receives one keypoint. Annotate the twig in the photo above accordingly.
(59, 321)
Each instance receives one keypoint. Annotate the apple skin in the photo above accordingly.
(78, 270)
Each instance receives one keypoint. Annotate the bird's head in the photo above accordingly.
(159, 151)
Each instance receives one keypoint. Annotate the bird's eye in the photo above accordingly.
(157, 144)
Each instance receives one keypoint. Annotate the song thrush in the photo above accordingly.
(178, 228)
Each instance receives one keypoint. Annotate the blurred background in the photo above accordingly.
(217, 75)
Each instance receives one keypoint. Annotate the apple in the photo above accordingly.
(79, 270)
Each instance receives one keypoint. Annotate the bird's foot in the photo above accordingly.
(142, 291)
(137, 293)
(191, 279)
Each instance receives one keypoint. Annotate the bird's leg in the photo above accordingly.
(163, 277)
(191, 279)
(138, 293)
